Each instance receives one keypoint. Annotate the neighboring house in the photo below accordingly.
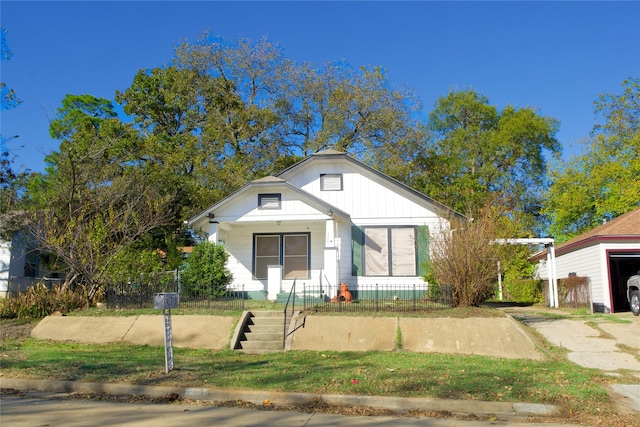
(328, 219)
(5, 262)
(21, 267)
(608, 255)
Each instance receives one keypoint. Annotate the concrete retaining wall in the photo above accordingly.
(496, 337)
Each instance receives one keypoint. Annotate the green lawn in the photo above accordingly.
(371, 373)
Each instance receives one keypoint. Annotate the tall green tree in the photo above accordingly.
(300, 109)
(473, 154)
(11, 181)
(603, 182)
(93, 203)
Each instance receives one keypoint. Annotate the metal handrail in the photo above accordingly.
(293, 307)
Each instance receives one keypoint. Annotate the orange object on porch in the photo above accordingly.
(344, 295)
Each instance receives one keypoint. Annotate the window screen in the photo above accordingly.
(403, 262)
(376, 252)
(296, 256)
(267, 253)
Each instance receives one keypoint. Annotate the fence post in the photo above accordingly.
(377, 296)
(304, 296)
(414, 297)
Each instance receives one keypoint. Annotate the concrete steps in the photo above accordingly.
(263, 332)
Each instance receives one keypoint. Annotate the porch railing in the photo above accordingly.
(292, 293)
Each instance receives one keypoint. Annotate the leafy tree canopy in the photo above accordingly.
(471, 154)
(602, 182)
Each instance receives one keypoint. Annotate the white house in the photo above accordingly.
(328, 219)
(5, 262)
(608, 255)
(21, 267)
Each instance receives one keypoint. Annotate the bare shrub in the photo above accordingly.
(465, 258)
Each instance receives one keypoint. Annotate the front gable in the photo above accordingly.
(267, 199)
(364, 193)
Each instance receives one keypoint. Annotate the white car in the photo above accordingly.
(633, 293)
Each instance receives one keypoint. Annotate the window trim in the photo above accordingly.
(263, 196)
(323, 176)
(281, 252)
(389, 250)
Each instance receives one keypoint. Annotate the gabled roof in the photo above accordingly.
(334, 154)
(274, 182)
(624, 227)
(316, 201)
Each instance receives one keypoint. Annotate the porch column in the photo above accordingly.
(213, 232)
(552, 274)
(274, 281)
(330, 271)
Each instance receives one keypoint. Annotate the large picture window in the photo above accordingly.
(389, 251)
(289, 250)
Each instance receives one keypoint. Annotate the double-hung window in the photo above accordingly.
(389, 251)
(291, 250)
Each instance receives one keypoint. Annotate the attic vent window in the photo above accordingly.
(331, 182)
(269, 201)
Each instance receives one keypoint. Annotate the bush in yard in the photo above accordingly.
(523, 290)
(465, 258)
(38, 302)
(206, 272)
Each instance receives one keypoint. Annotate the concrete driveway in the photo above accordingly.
(606, 343)
(595, 342)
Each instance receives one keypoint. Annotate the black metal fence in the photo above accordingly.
(312, 297)
(140, 295)
(378, 297)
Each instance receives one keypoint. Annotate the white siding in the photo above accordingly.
(585, 263)
(245, 208)
(367, 197)
(589, 262)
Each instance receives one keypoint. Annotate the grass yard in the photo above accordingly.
(372, 373)
(580, 392)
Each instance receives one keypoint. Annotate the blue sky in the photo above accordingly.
(553, 56)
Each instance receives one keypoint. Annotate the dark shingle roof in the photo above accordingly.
(625, 226)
